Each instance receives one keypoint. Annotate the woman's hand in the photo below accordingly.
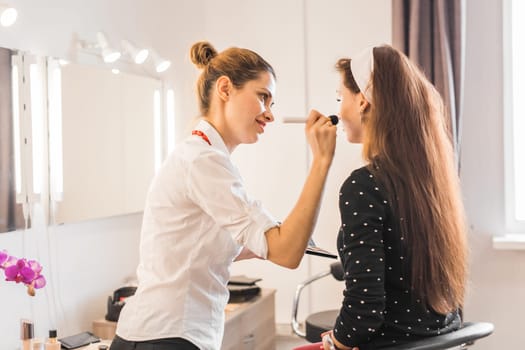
(287, 242)
(327, 336)
(321, 135)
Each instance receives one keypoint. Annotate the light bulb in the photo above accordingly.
(160, 63)
(8, 16)
(110, 55)
(138, 56)
(162, 66)
(141, 56)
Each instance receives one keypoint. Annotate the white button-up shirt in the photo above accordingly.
(196, 220)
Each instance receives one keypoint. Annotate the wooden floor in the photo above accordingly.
(285, 339)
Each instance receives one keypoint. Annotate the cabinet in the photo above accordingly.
(251, 325)
(248, 326)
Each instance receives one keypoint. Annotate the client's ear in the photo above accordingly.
(363, 103)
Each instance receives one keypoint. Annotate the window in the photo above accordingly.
(514, 112)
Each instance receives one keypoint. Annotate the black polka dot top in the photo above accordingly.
(378, 309)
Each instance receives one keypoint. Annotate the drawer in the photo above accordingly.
(232, 334)
(259, 338)
(104, 329)
(251, 326)
(258, 326)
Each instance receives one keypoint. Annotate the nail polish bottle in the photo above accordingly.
(26, 334)
(52, 342)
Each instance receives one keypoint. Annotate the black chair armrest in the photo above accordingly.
(470, 332)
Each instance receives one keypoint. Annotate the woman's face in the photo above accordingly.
(249, 110)
(349, 112)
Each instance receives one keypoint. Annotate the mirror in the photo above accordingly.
(108, 140)
(11, 217)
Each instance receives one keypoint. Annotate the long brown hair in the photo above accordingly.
(410, 152)
(238, 64)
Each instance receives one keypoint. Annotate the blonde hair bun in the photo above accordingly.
(201, 53)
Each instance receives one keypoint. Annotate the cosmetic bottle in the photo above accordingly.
(52, 342)
(38, 344)
(26, 334)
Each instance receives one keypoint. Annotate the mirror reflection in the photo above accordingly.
(11, 216)
(109, 124)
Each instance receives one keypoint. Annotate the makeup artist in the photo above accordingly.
(198, 217)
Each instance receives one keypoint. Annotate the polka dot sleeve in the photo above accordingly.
(361, 248)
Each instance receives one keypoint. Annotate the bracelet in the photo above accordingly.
(327, 338)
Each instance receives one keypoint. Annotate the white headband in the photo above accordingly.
(362, 66)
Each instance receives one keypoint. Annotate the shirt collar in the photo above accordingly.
(213, 135)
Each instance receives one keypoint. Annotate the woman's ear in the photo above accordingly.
(363, 103)
(223, 87)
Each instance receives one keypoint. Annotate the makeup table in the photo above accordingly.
(248, 325)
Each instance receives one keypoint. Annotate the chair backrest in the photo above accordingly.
(470, 332)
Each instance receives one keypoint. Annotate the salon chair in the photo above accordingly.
(320, 322)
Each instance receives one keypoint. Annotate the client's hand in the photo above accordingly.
(327, 345)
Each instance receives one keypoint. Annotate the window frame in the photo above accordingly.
(513, 224)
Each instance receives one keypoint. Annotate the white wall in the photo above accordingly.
(85, 262)
(497, 287)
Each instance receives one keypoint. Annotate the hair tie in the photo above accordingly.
(362, 66)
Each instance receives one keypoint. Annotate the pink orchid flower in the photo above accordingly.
(22, 270)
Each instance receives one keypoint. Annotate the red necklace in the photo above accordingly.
(201, 135)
